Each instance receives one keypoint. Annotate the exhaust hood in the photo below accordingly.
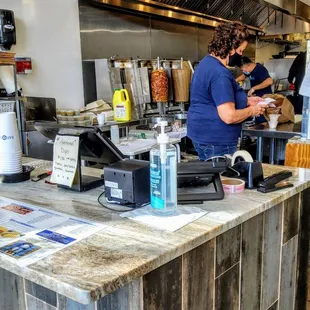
(209, 13)
(254, 13)
(299, 9)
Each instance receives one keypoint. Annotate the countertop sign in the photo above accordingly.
(65, 160)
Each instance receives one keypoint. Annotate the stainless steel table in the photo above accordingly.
(51, 129)
(277, 138)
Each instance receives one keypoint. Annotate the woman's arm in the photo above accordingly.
(230, 115)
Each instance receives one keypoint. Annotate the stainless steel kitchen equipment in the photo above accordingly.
(37, 109)
(135, 76)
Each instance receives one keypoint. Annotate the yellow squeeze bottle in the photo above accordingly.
(121, 105)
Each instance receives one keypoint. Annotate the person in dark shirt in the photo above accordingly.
(259, 77)
(296, 76)
(218, 105)
(298, 71)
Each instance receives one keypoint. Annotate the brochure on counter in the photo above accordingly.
(29, 233)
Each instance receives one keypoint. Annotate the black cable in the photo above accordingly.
(111, 209)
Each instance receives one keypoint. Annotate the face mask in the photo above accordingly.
(246, 73)
(235, 60)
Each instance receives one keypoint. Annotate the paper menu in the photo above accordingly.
(65, 160)
(29, 233)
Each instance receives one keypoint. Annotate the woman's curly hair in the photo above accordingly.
(227, 37)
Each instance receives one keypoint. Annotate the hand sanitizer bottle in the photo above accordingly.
(163, 165)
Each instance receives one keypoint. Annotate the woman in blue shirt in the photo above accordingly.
(218, 104)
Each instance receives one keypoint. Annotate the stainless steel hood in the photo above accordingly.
(209, 13)
(255, 13)
(297, 8)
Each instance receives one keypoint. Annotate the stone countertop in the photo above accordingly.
(126, 250)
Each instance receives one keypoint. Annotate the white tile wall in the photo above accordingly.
(48, 31)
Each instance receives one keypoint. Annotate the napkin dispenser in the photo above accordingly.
(251, 173)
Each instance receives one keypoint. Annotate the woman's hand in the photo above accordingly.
(254, 100)
(258, 109)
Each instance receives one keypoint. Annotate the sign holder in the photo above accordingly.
(81, 183)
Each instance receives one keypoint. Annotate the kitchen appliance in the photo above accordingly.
(135, 75)
(7, 29)
(181, 83)
(127, 183)
(194, 179)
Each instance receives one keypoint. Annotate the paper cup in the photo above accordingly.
(11, 172)
(101, 119)
(9, 135)
(273, 125)
(274, 117)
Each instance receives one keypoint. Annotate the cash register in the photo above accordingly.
(127, 182)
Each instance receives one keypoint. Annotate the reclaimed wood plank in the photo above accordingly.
(12, 293)
(125, 298)
(36, 304)
(288, 275)
(41, 293)
(303, 260)
(162, 288)
(227, 290)
(274, 306)
(198, 277)
(227, 250)
(291, 218)
(65, 303)
(251, 263)
(271, 255)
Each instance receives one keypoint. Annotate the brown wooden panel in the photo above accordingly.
(271, 256)
(162, 288)
(291, 218)
(198, 277)
(297, 155)
(227, 290)
(288, 275)
(125, 298)
(227, 250)
(251, 263)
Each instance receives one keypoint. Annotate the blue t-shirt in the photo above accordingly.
(258, 76)
(212, 85)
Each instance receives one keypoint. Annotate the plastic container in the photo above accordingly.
(115, 134)
(163, 171)
(121, 105)
(305, 132)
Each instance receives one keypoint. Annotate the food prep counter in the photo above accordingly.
(277, 139)
(246, 251)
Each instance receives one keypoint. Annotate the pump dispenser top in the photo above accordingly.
(162, 138)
